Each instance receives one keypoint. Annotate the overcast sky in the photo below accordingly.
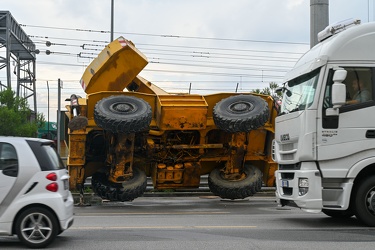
(210, 45)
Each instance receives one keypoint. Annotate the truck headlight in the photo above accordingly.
(303, 186)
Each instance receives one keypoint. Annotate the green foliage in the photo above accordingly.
(15, 116)
(271, 90)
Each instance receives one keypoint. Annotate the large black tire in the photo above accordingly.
(240, 113)
(364, 201)
(127, 191)
(230, 189)
(340, 214)
(123, 114)
(36, 227)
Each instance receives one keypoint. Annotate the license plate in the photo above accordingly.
(66, 184)
(284, 183)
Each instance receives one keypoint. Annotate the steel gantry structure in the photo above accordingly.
(17, 47)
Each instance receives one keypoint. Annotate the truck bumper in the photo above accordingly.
(300, 188)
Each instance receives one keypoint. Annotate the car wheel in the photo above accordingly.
(240, 113)
(123, 114)
(36, 227)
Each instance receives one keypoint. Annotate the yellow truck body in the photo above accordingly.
(127, 129)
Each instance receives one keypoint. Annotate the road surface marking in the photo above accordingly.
(161, 227)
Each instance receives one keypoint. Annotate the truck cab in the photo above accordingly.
(325, 134)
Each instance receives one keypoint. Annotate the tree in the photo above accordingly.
(15, 116)
(271, 90)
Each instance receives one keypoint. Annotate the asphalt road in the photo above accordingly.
(205, 222)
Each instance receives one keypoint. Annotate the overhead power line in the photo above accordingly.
(216, 48)
(209, 54)
(292, 60)
(221, 67)
(165, 35)
(161, 59)
(138, 45)
(70, 39)
(214, 73)
(192, 65)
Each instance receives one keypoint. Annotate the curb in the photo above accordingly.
(93, 199)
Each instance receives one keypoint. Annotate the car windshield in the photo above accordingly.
(299, 93)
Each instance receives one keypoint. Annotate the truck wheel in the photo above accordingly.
(134, 187)
(338, 213)
(240, 113)
(229, 189)
(123, 114)
(364, 201)
(36, 227)
(100, 184)
(127, 191)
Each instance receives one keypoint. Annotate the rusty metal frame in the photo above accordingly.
(20, 49)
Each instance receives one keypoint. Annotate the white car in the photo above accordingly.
(35, 201)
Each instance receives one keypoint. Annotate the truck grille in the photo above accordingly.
(287, 146)
(296, 166)
(287, 176)
(287, 151)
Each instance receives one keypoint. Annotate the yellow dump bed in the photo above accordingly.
(114, 68)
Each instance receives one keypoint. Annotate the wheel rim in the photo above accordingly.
(241, 107)
(370, 201)
(123, 108)
(36, 228)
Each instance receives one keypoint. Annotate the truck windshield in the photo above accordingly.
(299, 93)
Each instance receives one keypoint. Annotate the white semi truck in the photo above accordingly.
(325, 132)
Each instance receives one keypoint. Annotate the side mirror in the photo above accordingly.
(282, 90)
(339, 75)
(279, 90)
(338, 92)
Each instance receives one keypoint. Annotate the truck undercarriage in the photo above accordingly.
(122, 137)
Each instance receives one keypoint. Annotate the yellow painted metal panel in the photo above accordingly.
(114, 68)
(181, 112)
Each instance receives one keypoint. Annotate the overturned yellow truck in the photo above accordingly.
(127, 129)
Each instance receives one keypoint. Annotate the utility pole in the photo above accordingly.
(59, 86)
(112, 17)
(319, 19)
(48, 112)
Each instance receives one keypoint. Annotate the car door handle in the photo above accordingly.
(370, 134)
